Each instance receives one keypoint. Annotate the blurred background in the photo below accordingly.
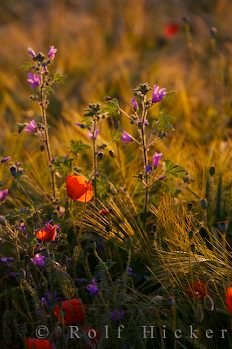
(105, 48)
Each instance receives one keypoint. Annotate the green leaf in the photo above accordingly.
(59, 78)
(63, 164)
(78, 147)
(175, 170)
(165, 122)
(111, 107)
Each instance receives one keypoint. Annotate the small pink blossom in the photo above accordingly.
(31, 52)
(126, 137)
(52, 53)
(3, 194)
(34, 80)
(93, 135)
(158, 94)
(31, 127)
(156, 159)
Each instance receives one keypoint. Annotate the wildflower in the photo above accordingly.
(70, 312)
(52, 53)
(117, 315)
(4, 159)
(38, 260)
(92, 288)
(36, 343)
(148, 168)
(78, 188)
(126, 137)
(93, 135)
(31, 52)
(21, 226)
(198, 289)
(171, 30)
(31, 127)
(156, 159)
(47, 233)
(80, 124)
(49, 298)
(134, 104)
(130, 272)
(3, 194)
(6, 260)
(229, 299)
(158, 94)
(34, 80)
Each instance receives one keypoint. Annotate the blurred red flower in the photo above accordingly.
(198, 289)
(70, 312)
(35, 343)
(171, 30)
(229, 299)
(47, 233)
(78, 188)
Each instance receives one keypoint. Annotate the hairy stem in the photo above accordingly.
(43, 107)
(145, 160)
(94, 161)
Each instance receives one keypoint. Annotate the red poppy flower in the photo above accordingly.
(93, 335)
(35, 343)
(47, 233)
(229, 299)
(78, 188)
(198, 289)
(171, 30)
(70, 312)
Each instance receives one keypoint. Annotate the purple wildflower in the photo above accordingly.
(79, 124)
(3, 194)
(134, 104)
(156, 159)
(92, 288)
(93, 135)
(126, 137)
(158, 94)
(22, 227)
(52, 53)
(5, 159)
(130, 272)
(148, 168)
(6, 259)
(117, 315)
(31, 127)
(31, 52)
(34, 80)
(38, 260)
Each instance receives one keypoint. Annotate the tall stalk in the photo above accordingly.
(94, 160)
(43, 108)
(145, 158)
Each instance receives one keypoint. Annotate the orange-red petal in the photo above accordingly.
(78, 188)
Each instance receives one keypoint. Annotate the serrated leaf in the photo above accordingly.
(175, 170)
(78, 147)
